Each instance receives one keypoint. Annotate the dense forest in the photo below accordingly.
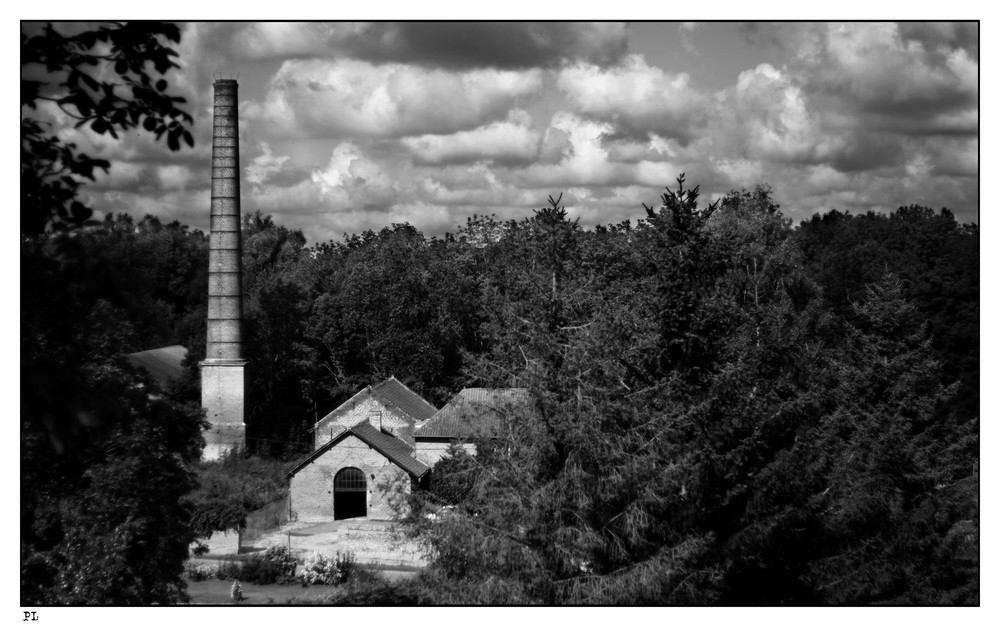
(728, 408)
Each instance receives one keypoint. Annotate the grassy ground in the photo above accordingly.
(215, 592)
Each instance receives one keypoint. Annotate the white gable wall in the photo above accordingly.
(311, 488)
(371, 410)
(430, 452)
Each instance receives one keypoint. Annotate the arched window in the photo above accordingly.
(350, 480)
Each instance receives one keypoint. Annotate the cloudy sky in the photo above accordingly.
(351, 126)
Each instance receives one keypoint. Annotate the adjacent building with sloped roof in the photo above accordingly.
(163, 364)
(473, 414)
(384, 440)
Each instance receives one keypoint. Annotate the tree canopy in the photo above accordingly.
(105, 453)
(110, 80)
(705, 429)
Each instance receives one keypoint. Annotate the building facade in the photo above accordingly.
(362, 472)
(363, 456)
(372, 450)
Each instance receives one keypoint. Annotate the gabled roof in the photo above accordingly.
(475, 412)
(163, 364)
(392, 448)
(391, 393)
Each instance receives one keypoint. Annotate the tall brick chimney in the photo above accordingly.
(222, 372)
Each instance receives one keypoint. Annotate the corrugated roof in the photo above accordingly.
(391, 393)
(475, 412)
(399, 452)
(394, 449)
(163, 364)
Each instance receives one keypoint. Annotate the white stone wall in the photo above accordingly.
(220, 439)
(370, 410)
(312, 486)
(222, 390)
(431, 452)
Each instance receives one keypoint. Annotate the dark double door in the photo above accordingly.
(350, 494)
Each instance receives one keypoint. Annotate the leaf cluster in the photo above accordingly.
(107, 79)
(230, 489)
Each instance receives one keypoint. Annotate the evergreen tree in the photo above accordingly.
(701, 428)
(899, 470)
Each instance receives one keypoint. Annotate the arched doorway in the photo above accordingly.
(350, 494)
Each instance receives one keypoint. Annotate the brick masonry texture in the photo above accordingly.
(312, 487)
(371, 410)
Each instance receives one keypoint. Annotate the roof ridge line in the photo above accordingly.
(354, 430)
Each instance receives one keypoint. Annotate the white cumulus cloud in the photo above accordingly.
(323, 98)
(510, 140)
(635, 95)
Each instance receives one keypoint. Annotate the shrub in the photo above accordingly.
(198, 572)
(346, 564)
(228, 570)
(320, 569)
(236, 592)
(231, 488)
(368, 588)
(275, 565)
